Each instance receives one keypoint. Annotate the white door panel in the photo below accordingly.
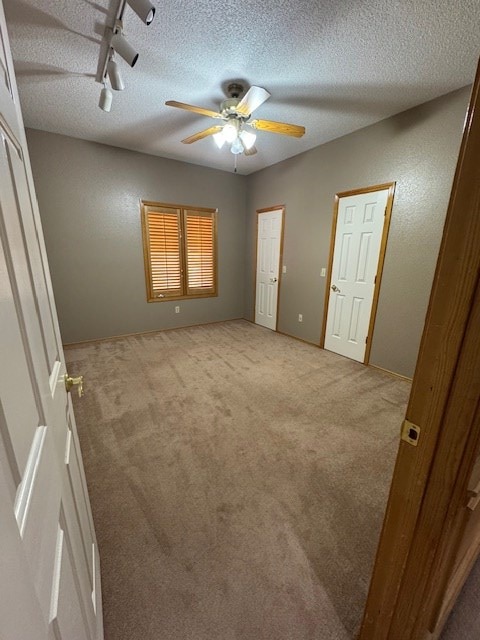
(24, 204)
(20, 614)
(358, 237)
(37, 514)
(67, 614)
(49, 569)
(269, 237)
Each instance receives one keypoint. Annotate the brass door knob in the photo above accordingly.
(71, 381)
(335, 288)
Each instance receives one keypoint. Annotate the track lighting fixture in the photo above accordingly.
(106, 97)
(115, 42)
(116, 80)
(121, 45)
(144, 10)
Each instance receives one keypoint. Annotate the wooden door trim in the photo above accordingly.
(280, 207)
(328, 280)
(415, 530)
(381, 262)
(381, 258)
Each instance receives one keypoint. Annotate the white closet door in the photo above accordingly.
(268, 264)
(358, 238)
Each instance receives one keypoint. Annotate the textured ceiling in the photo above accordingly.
(333, 66)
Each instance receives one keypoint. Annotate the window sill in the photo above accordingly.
(191, 297)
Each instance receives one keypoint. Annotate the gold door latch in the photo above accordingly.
(71, 381)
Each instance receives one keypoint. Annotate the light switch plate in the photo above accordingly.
(323, 272)
(284, 268)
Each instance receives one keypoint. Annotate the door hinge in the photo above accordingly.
(410, 432)
(366, 340)
(375, 281)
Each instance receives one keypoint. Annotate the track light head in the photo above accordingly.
(116, 80)
(144, 10)
(106, 97)
(121, 45)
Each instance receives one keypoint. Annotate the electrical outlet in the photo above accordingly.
(177, 309)
(300, 317)
(284, 268)
(323, 272)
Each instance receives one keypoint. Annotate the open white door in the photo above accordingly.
(361, 223)
(49, 568)
(269, 242)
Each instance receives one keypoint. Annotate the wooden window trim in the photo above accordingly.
(183, 212)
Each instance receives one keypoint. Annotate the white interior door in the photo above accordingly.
(358, 237)
(269, 238)
(49, 568)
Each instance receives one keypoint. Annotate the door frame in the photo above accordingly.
(381, 258)
(282, 208)
(429, 490)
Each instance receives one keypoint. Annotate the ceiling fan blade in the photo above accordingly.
(202, 134)
(250, 152)
(278, 127)
(254, 97)
(190, 107)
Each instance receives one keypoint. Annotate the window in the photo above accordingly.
(180, 251)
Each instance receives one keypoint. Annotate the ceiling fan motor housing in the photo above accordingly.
(228, 107)
(235, 90)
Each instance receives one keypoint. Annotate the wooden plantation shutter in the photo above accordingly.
(163, 254)
(200, 251)
(180, 251)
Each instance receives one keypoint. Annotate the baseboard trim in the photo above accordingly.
(282, 333)
(312, 344)
(392, 373)
(69, 345)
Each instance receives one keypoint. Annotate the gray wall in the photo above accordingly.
(89, 196)
(417, 149)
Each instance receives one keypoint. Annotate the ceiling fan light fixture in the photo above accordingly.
(219, 139)
(144, 10)
(248, 138)
(237, 146)
(230, 130)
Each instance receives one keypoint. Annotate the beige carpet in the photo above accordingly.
(238, 480)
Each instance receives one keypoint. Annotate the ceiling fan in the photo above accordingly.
(235, 113)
